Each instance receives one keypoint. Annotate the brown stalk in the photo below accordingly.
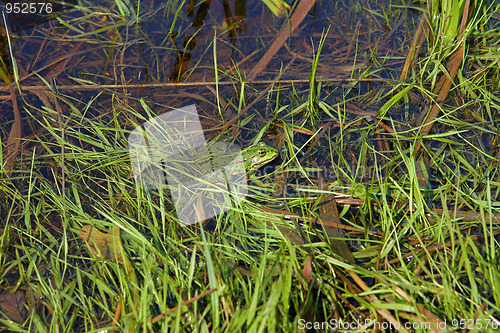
(444, 84)
(14, 139)
(189, 301)
(415, 46)
(118, 314)
(84, 87)
(354, 38)
(298, 15)
(328, 211)
(374, 299)
(245, 110)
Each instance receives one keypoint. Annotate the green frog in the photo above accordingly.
(256, 156)
(194, 165)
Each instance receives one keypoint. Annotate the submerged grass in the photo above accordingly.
(84, 248)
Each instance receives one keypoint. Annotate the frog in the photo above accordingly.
(236, 162)
(256, 156)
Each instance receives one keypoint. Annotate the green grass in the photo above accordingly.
(428, 246)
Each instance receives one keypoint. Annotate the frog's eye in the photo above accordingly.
(262, 153)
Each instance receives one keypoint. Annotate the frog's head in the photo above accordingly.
(258, 155)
